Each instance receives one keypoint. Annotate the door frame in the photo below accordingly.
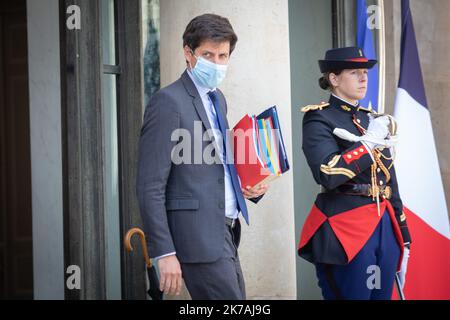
(83, 157)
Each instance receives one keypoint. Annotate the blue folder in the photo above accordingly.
(272, 113)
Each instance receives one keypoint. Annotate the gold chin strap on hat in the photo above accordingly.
(377, 155)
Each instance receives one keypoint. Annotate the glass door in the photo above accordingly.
(111, 72)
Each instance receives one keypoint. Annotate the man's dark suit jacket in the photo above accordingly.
(182, 205)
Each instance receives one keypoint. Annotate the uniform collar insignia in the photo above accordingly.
(346, 108)
(342, 104)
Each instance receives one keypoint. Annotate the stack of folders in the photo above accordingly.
(259, 151)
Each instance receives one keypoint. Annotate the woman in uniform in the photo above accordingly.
(356, 234)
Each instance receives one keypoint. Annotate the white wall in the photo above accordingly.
(46, 156)
(259, 77)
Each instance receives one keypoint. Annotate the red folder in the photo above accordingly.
(250, 170)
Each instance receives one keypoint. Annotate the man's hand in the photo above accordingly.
(255, 192)
(170, 272)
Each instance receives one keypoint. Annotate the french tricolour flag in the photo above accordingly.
(419, 178)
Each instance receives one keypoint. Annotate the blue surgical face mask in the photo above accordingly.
(209, 74)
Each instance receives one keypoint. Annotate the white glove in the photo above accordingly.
(404, 267)
(371, 142)
(377, 134)
(377, 131)
(378, 127)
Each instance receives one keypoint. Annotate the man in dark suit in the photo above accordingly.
(190, 196)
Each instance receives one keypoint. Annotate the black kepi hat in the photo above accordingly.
(345, 58)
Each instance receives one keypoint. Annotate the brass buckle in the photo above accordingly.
(383, 191)
(387, 192)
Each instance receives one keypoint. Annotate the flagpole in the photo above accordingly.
(382, 59)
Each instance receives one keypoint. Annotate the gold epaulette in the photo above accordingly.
(370, 110)
(313, 107)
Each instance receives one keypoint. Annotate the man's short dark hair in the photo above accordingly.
(209, 27)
